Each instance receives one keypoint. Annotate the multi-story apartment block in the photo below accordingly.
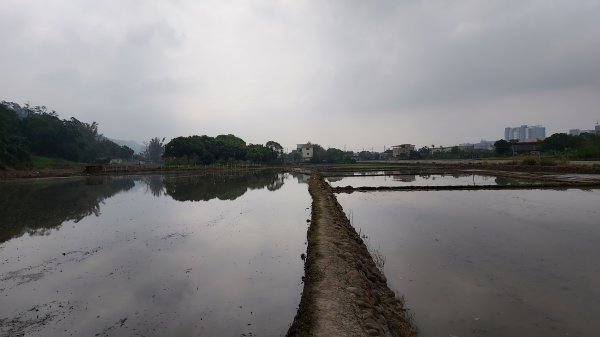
(525, 133)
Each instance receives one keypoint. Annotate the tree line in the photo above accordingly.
(329, 156)
(583, 146)
(27, 131)
(220, 149)
(37, 208)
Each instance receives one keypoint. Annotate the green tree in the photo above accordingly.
(40, 132)
(414, 155)
(319, 154)
(560, 142)
(275, 147)
(502, 147)
(331, 155)
(335, 156)
(155, 150)
(13, 145)
(230, 147)
(294, 156)
(192, 150)
(367, 155)
(260, 154)
(589, 146)
(584, 146)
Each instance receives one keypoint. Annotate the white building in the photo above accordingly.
(306, 150)
(536, 132)
(525, 133)
(577, 132)
(487, 145)
(402, 150)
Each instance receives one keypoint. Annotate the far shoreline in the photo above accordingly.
(506, 165)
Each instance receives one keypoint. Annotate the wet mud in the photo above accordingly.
(545, 185)
(345, 294)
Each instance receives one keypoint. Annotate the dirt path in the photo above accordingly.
(345, 294)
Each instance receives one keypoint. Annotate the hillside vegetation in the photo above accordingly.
(27, 132)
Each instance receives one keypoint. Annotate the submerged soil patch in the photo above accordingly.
(345, 294)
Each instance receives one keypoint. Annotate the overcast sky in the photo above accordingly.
(359, 74)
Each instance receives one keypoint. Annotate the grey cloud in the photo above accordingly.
(373, 69)
(546, 48)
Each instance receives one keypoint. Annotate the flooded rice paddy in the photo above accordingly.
(403, 179)
(152, 255)
(488, 263)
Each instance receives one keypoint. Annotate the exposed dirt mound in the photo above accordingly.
(345, 294)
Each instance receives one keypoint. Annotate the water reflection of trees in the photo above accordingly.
(154, 184)
(37, 207)
(221, 186)
(277, 183)
(302, 177)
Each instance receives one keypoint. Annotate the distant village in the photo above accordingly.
(37, 137)
(522, 140)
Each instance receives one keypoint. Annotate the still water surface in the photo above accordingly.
(402, 179)
(489, 263)
(152, 255)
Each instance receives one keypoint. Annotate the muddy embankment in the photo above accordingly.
(555, 186)
(446, 166)
(6, 174)
(345, 294)
(10, 174)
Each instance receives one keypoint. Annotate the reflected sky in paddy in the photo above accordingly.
(488, 263)
(404, 179)
(206, 255)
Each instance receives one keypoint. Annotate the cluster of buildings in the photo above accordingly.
(577, 132)
(402, 151)
(306, 152)
(536, 133)
(524, 139)
(528, 139)
(525, 133)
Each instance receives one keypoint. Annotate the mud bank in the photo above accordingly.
(80, 172)
(557, 186)
(512, 165)
(8, 174)
(345, 294)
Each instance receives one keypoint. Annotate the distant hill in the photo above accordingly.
(27, 132)
(21, 112)
(132, 144)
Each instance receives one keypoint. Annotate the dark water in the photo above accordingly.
(152, 255)
(489, 263)
(404, 179)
